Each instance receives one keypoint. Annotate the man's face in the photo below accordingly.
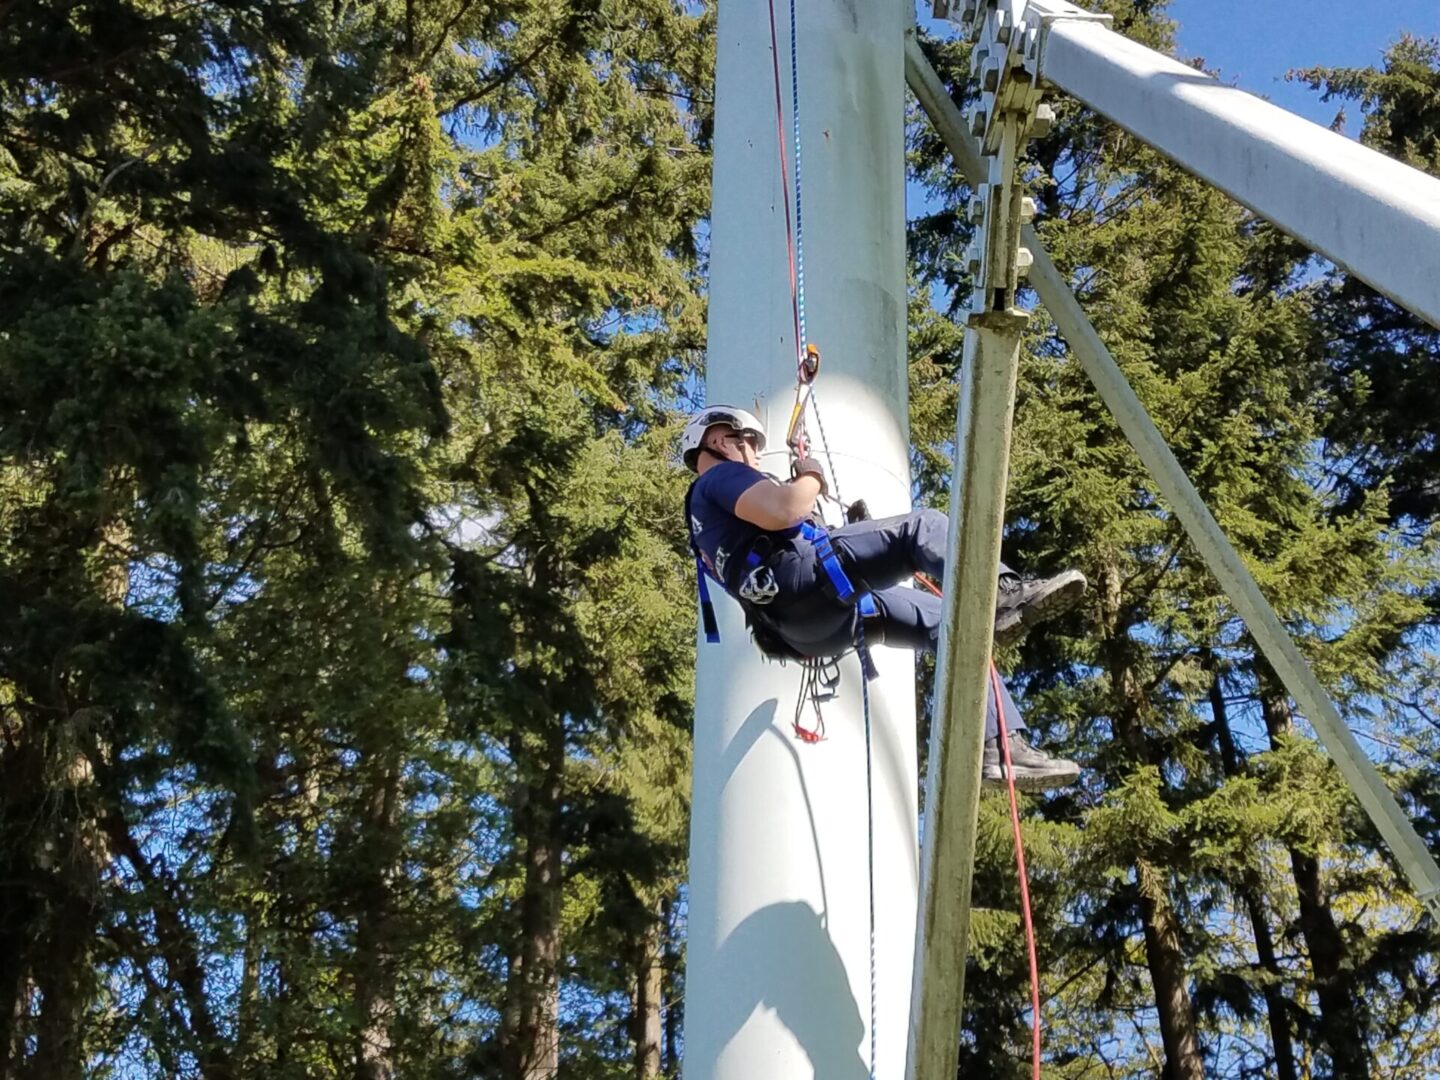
(725, 442)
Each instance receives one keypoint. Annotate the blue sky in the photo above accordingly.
(1252, 43)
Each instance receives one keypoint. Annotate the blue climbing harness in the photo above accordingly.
(819, 539)
(839, 583)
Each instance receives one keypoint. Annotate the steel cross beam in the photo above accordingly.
(933, 999)
(1288, 170)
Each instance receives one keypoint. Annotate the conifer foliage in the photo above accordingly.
(342, 681)
(347, 642)
(1383, 415)
(1214, 902)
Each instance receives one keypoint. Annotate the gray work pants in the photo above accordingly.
(880, 556)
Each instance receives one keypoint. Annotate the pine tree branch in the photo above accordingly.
(177, 942)
(444, 35)
(93, 66)
(1072, 979)
(505, 75)
(83, 225)
(127, 939)
(689, 99)
(260, 547)
(99, 257)
(615, 198)
(27, 138)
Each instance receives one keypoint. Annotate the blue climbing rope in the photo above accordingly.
(803, 338)
(870, 835)
(795, 243)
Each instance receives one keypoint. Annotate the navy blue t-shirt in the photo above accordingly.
(725, 540)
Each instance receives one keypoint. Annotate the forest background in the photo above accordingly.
(348, 635)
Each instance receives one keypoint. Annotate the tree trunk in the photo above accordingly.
(60, 962)
(533, 1051)
(646, 1019)
(1341, 1026)
(509, 1029)
(12, 1004)
(374, 945)
(248, 1010)
(1163, 953)
(1166, 960)
(17, 912)
(66, 929)
(285, 1025)
(1277, 1006)
(674, 997)
(296, 920)
(48, 785)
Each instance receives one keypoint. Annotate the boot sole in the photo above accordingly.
(1032, 779)
(1014, 624)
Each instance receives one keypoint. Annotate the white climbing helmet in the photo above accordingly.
(705, 419)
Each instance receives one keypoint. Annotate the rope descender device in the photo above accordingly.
(796, 436)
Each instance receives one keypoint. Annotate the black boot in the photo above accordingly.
(1034, 769)
(1023, 603)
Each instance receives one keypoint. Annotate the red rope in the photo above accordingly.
(785, 189)
(1024, 878)
(1004, 739)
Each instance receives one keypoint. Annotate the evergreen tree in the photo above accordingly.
(1171, 886)
(313, 316)
(1382, 422)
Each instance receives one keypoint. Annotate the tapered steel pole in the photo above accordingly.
(778, 984)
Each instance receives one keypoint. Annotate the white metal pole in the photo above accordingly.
(1377, 217)
(778, 976)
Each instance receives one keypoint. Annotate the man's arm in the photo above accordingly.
(774, 506)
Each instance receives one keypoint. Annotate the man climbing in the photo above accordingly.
(746, 528)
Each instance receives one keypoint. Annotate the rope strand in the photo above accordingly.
(814, 404)
(1004, 739)
(785, 186)
(870, 837)
(801, 339)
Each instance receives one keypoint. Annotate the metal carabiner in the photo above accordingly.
(795, 435)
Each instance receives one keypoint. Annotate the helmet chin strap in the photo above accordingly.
(714, 453)
(722, 456)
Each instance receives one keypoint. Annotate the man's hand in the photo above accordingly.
(808, 466)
